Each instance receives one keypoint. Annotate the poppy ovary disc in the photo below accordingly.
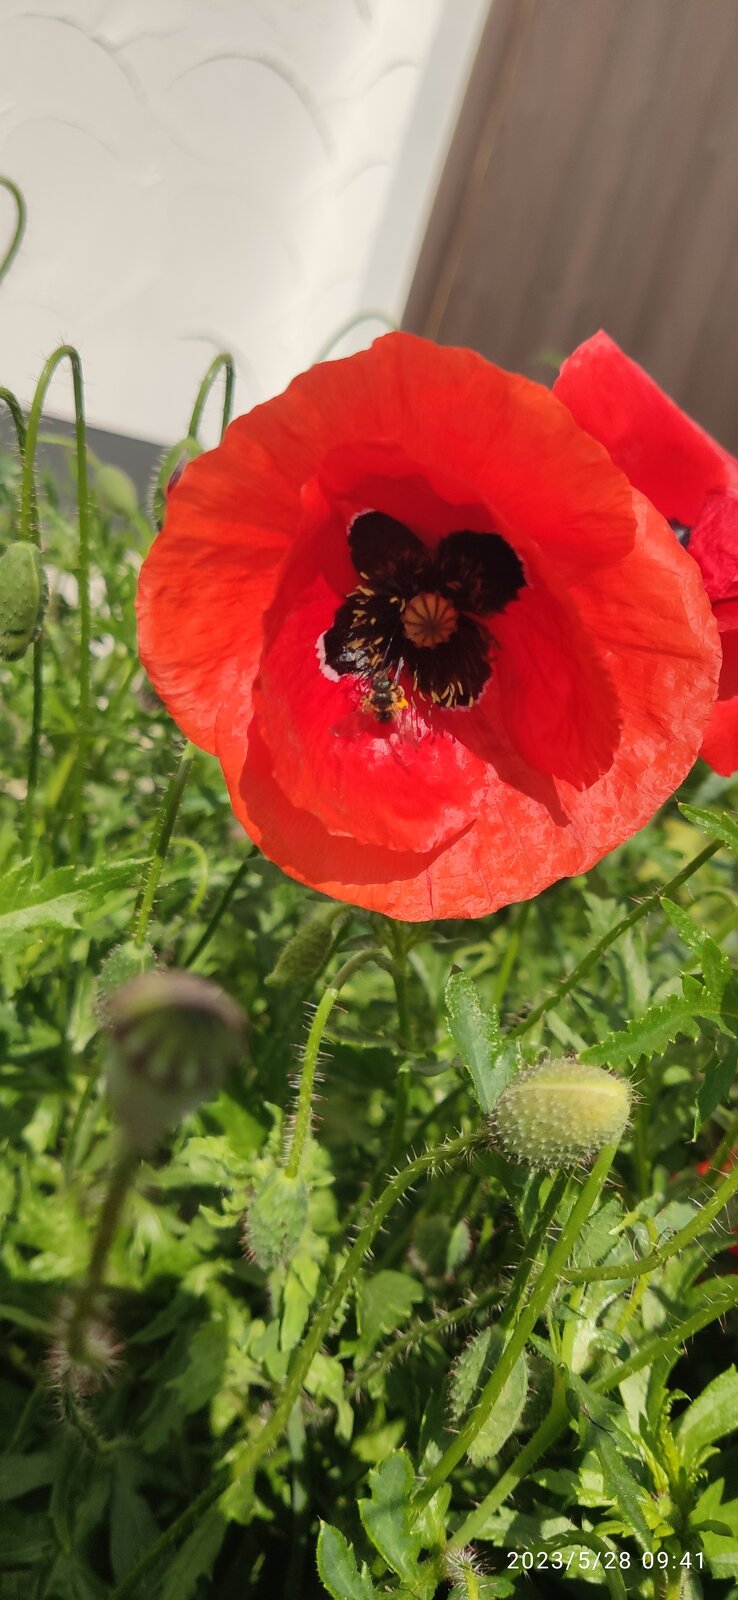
(429, 620)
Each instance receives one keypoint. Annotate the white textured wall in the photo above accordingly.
(202, 174)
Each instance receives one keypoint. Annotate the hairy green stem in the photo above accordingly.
(559, 1417)
(304, 1110)
(595, 955)
(85, 1304)
(246, 1460)
(222, 363)
(20, 226)
(29, 527)
(526, 1320)
(700, 1221)
(163, 829)
(19, 421)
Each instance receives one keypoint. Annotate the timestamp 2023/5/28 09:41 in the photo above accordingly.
(588, 1560)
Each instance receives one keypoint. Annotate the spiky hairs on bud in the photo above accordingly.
(174, 1039)
(275, 1219)
(23, 596)
(305, 953)
(560, 1113)
(124, 962)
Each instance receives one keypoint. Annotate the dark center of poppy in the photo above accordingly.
(422, 611)
(682, 531)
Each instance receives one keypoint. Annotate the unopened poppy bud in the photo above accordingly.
(23, 596)
(304, 954)
(275, 1219)
(116, 492)
(561, 1113)
(121, 964)
(169, 473)
(175, 1038)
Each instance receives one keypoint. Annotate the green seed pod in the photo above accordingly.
(116, 492)
(23, 596)
(304, 954)
(174, 1039)
(168, 474)
(560, 1113)
(122, 963)
(275, 1219)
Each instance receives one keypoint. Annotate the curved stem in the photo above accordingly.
(163, 828)
(347, 327)
(524, 1325)
(700, 1221)
(303, 1114)
(29, 528)
(245, 1461)
(19, 421)
(85, 1305)
(222, 362)
(559, 1417)
(20, 226)
(594, 956)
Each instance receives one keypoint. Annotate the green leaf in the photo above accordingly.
(718, 1076)
(386, 1516)
(719, 824)
(133, 1527)
(471, 1372)
(713, 1414)
(600, 1432)
(383, 1304)
(649, 1034)
(715, 963)
(476, 1034)
(195, 1558)
(337, 1568)
(57, 900)
(19, 1474)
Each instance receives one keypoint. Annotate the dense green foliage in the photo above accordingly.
(467, 1381)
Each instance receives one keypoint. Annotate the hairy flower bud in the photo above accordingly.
(23, 596)
(561, 1113)
(275, 1219)
(304, 954)
(124, 962)
(115, 491)
(175, 1037)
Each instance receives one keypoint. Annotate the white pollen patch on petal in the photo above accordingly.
(328, 672)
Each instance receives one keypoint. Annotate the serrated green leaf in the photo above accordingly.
(715, 963)
(719, 824)
(196, 1557)
(338, 1569)
(20, 1474)
(133, 1527)
(599, 1426)
(386, 1516)
(713, 1414)
(649, 1034)
(476, 1034)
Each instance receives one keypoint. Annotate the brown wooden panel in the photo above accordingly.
(593, 182)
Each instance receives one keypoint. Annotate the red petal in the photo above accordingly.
(208, 580)
(665, 455)
(557, 701)
(720, 747)
(714, 544)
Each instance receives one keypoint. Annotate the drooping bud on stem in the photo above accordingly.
(561, 1113)
(175, 1038)
(23, 596)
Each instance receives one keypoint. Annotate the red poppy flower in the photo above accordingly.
(691, 480)
(409, 606)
